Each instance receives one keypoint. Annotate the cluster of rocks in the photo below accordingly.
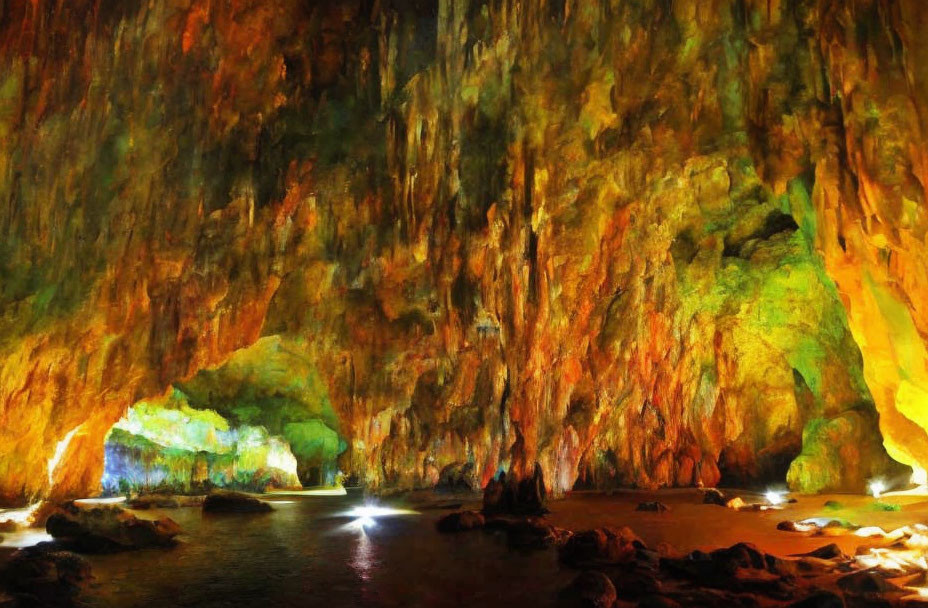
(51, 574)
(512, 496)
(616, 568)
(42, 576)
(107, 528)
(617, 565)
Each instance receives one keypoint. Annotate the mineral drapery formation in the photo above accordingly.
(635, 241)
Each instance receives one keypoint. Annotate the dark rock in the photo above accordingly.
(712, 496)
(798, 526)
(831, 551)
(234, 502)
(507, 495)
(654, 506)
(834, 505)
(632, 582)
(741, 555)
(460, 522)
(44, 576)
(657, 601)
(458, 477)
(107, 529)
(713, 598)
(601, 546)
(532, 534)
(741, 567)
(590, 589)
(865, 582)
(822, 599)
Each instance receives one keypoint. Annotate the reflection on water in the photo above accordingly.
(363, 556)
(307, 553)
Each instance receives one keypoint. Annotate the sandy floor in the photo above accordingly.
(690, 525)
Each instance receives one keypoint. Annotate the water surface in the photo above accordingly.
(307, 553)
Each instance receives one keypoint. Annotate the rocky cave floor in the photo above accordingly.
(628, 548)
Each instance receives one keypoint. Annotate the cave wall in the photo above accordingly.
(636, 241)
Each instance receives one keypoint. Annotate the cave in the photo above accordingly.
(590, 303)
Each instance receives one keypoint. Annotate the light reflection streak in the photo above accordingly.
(363, 560)
(336, 491)
(27, 537)
(365, 516)
(113, 500)
(21, 517)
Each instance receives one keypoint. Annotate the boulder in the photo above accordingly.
(509, 496)
(461, 521)
(234, 502)
(865, 582)
(711, 496)
(822, 599)
(533, 534)
(590, 589)
(652, 506)
(741, 567)
(657, 601)
(107, 528)
(735, 503)
(831, 551)
(602, 546)
(458, 477)
(44, 576)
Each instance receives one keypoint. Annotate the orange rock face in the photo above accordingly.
(639, 243)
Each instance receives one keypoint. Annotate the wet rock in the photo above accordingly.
(833, 505)
(44, 576)
(741, 567)
(107, 529)
(601, 546)
(823, 599)
(461, 521)
(713, 598)
(458, 477)
(741, 555)
(634, 581)
(714, 497)
(657, 601)
(865, 582)
(653, 506)
(507, 495)
(234, 502)
(736, 503)
(591, 589)
(831, 551)
(532, 534)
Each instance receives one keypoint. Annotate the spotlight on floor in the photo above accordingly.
(775, 497)
(877, 487)
(366, 516)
